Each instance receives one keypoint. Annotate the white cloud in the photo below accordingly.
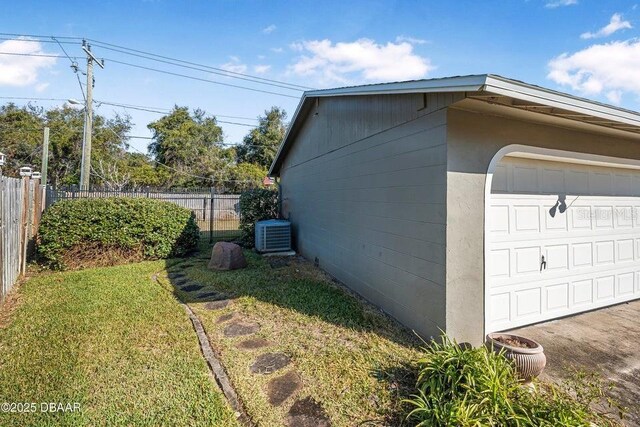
(277, 49)
(261, 69)
(362, 59)
(610, 68)
(411, 40)
(615, 24)
(552, 4)
(235, 65)
(270, 29)
(22, 70)
(41, 87)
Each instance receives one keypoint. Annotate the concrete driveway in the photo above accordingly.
(605, 340)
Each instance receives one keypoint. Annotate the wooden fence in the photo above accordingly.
(217, 215)
(21, 204)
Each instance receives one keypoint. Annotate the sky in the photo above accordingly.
(585, 47)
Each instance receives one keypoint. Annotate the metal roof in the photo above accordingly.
(484, 87)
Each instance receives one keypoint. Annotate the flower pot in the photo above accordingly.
(527, 355)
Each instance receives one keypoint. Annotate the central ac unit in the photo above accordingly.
(273, 235)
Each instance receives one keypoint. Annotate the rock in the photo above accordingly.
(281, 388)
(217, 305)
(227, 256)
(268, 363)
(238, 329)
(253, 343)
(307, 413)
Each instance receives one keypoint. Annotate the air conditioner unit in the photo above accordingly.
(273, 235)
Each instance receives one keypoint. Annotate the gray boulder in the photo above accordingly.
(227, 256)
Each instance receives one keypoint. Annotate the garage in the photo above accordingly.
(563, 237)
(466, 204)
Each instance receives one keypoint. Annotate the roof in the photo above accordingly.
(485, 87)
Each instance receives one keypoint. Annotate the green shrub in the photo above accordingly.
(94, 232)
(256, 205)
(461, 386)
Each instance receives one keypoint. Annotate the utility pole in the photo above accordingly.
(45, 157)
(85, 168)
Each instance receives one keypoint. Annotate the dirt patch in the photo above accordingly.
(10, 304)
(238, 329)
(93, 254)
(514, 342)
(216, 305)
(281, 388)
(192, 288)
(253, 344)
(268, 363)
(307, 413)
(225, 318)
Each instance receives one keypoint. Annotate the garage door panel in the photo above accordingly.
(584, 220)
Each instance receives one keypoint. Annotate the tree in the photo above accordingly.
(260, 145)
(20, 136)
(21, 140)
(190, 145)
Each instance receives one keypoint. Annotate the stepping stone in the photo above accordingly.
(216, 305)
(281, 388)
(238, 329)
(307, 413)
(253, 343)
(211, 295)
(268, 363)
(192, 288)
(225, 317)
(174, 276)
(181, 281)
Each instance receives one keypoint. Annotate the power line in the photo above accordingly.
(41, 55)
(199, 78)
(174, 61)
(167, 110)
(74, 66)
(212, 70)
(161, 71)
(226, 72)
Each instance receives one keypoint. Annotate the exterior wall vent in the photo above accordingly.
(273, 235)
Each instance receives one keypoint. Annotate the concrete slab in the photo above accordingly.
(605, 340)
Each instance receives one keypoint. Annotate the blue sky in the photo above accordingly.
(589, 48)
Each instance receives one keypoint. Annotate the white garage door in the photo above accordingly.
(562, 238)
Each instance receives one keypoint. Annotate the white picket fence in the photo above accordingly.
(21, 203)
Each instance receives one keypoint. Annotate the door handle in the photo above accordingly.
(543, 264)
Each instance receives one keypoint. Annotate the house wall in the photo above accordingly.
(473, 138)
(364, 185)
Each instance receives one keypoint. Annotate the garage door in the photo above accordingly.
(562, 238)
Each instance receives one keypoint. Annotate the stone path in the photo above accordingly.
(282, 388)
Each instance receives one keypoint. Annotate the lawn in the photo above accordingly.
(349, 357)
(111, 340)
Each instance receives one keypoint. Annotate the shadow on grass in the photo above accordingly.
(295, 284)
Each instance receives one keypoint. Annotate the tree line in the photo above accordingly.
(187, 148)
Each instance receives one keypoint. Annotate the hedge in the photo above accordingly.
(256, 205)
(92, 232)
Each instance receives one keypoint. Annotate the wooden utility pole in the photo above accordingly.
(85, 168)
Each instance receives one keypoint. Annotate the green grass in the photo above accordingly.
(351, 357)
(112, 340)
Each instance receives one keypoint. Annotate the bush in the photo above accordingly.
(256, 205)
(95, 232)
(474, 386)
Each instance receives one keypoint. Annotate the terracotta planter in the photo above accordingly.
(529, 359)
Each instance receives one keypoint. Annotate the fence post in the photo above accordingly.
(25, 227)
(211, 214)
(2, 226)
